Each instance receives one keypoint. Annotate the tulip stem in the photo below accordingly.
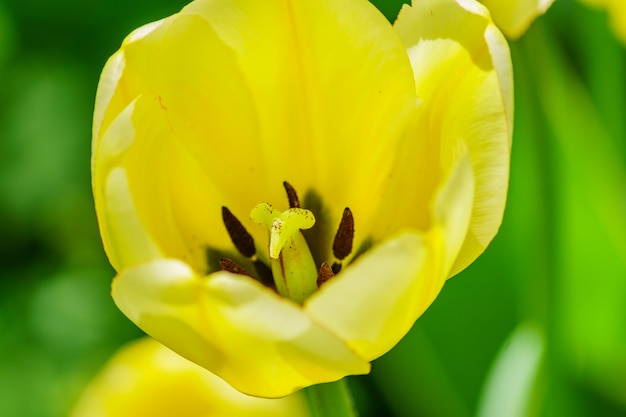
(331, 400)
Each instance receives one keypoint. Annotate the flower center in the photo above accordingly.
(292, 271)
(291, 262)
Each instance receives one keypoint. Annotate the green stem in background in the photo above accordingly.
(558, 395)
(414, 382)
(585, 323)
(331, 400)
(604, 65)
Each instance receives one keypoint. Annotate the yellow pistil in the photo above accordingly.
(291, 261)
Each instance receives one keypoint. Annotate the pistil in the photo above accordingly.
(291, 262)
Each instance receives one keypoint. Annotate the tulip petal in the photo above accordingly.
(255, 94)
(463, 76)
(259, 342)
(175, 160)
(122, 231)
(107, 85)
(332, 85)
(124, 236)
(514, 17)
(161, 175)
(452, 210)
(145, 378)
(374, 302)
(113, 96)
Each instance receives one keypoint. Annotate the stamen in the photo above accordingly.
(342, 246)
(242, 240)
(292, 196)
(229, 265)
(324, 274)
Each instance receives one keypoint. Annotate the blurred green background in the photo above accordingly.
(535, 327)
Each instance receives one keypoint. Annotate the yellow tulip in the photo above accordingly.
(617, 15)
(145, 378)
(392, 144)
(514, 17)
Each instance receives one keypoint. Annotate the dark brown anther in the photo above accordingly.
(336, 268)
(342, 246)
(229, 265)
(238, 234)
(292, 196)
(325, 273)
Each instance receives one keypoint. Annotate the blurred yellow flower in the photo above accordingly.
(617, 15)
(391, 143)
(514, 17)
(145, 378)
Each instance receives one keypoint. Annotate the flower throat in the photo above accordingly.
(292, 271)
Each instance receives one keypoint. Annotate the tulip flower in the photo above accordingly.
(514, 17)
(285, 186)
(145, 378)
(617, 15)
